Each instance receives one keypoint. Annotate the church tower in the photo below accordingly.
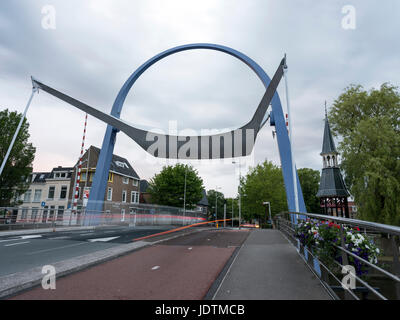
(332, 191)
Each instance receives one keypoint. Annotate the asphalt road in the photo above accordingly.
(180, 268)
(20, 253)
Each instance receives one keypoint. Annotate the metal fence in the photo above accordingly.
(379, 280)
(113, 214)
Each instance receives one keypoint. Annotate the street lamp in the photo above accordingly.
(240, 209)
(184, 198)
(216, 197)
(269, 207)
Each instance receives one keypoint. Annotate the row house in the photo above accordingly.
(46, 199)
(122, 189)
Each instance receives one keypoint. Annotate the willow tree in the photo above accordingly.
(368, 123)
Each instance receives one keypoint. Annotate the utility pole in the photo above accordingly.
(232, 212)
(216, 204)
(239, 191)
(225, 214)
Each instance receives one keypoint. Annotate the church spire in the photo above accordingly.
(332, 189)
(328, 145)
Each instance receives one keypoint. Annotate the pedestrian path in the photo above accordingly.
(269, 267)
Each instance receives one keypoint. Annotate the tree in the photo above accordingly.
(211, 194)
(13, 180)
(309, 181)
(261, 184)
(369, 124)
(167, 187)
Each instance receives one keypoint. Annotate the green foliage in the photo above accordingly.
(167, 187)
(263, 183)
(309, 181)
(211, 195)
(369, 124)
(19, 164)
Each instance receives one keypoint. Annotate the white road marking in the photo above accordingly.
(85, 234)
(15, 244)
(10, 240)
(155, 268)
(57, 248)
(190, 248)
(103, 239)
(22, 238)
(33, 236)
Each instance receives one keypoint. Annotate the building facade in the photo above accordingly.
(122, 187)
(47, 197)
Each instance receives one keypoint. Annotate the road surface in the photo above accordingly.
(180, 268)
(23, 252)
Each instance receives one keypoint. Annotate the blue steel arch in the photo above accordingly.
(99, 185)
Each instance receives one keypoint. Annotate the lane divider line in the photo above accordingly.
(15, 244)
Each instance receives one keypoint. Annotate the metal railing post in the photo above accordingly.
(396, 263)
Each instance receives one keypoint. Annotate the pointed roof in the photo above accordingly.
(328, 145)
(332, 184)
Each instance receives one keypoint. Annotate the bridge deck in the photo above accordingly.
(269, 267)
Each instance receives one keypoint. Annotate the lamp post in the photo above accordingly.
(269, 207)
(240, 209)
(184, 198)
(216, 205)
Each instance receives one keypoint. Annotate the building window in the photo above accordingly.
(83, 176)
(27, 196)
(37, 195)
(109, 194)
(24, 213)
(63, 193)
(60, 213)
(110, 177)
(51, 192)
(34, 214)
(135, 182)
(44, 217)
(125, 180)
(135, 197)
(51, 213)
(123, 195)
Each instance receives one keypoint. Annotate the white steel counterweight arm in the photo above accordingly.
(296, 196)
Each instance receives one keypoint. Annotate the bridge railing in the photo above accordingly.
(353, 259)
(12, 218)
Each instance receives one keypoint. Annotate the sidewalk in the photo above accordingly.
(43, 230)
(269, 267)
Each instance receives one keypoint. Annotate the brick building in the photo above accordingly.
(122, 186)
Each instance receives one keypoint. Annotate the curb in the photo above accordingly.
(14, 283)
(44, 230)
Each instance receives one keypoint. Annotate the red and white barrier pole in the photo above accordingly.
(78, 174)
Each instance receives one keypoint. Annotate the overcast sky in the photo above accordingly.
(97, 44)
